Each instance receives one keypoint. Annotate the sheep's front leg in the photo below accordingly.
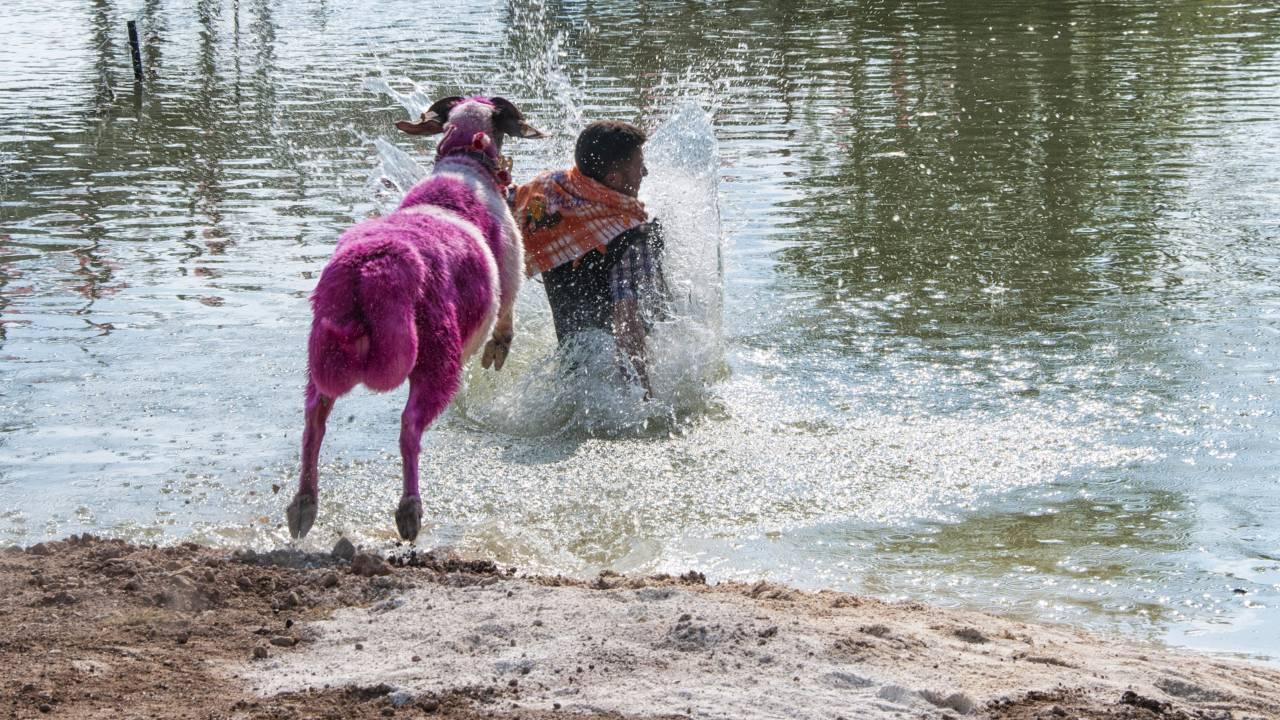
(495, 351)
(429, 395)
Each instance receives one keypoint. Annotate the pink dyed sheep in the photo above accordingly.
(414, 294)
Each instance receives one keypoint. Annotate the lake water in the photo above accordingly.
(1001, 297)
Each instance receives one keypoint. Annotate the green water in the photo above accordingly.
(1001, 299)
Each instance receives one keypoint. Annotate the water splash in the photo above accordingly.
(579, 389)
(395, 173)
(415, 102)
(684, 193)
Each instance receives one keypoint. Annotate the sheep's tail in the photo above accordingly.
(363, 328)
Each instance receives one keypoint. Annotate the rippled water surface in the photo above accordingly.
(1001, 318)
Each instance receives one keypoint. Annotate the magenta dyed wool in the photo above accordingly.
(404, 288)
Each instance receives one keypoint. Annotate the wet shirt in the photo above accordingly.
(582, 293)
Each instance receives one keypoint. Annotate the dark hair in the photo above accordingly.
(604, 145)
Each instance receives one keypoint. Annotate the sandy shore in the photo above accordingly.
(102, 629)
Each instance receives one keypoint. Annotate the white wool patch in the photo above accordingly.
(472, 117)
(511, 264)
(468, 228)
(507, 271)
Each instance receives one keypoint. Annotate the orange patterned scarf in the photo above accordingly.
(564, 215)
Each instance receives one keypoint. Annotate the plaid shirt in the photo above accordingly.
(636, 272)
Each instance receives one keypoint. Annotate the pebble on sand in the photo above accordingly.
(343, 550)
(369, 565)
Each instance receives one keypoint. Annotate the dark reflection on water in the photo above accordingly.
(945, 220)
(1092, 554)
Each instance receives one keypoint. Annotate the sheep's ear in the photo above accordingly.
(428, 124)
(508, 120)
(433, 120)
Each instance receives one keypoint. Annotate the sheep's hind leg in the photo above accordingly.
(301, 512)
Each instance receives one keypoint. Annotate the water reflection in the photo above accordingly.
(154, 29)
(992, 166)
(1082, 556)
(103, 47)
(8, 274)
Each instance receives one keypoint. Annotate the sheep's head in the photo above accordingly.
(477, 121)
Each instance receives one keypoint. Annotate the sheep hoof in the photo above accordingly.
(302, 513)
(409, 517)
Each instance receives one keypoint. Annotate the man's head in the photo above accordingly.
(611, 152)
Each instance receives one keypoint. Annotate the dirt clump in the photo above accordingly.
(1075, 703)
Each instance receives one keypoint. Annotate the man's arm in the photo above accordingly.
(629, 331)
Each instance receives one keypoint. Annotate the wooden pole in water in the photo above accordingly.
(135, 50)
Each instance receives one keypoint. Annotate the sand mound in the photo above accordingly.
(671, 648)
(103, 629)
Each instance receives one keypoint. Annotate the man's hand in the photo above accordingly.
(495, 351)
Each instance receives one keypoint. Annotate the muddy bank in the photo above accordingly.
(98, 628)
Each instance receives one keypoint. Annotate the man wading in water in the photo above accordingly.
(593, 242)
